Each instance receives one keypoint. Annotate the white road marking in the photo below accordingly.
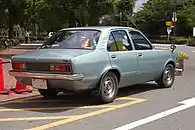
(186, 104)
(161, 48)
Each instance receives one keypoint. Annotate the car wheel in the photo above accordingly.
(168, 77)
(48, 92)
(108, 88)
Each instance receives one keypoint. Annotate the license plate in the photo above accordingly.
(39, 83)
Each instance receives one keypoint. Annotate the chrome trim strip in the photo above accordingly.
(74, 77)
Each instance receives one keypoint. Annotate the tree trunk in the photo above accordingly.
(82, 17)
(39, 30)
(94, 13)
(11, 20)
(71, 19)
(10, 30)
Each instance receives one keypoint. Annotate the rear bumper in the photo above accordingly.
(74, 82)
(73, 77)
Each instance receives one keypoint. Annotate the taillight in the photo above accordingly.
(60, 67)
(18, 65)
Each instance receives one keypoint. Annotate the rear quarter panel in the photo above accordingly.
(92, 65)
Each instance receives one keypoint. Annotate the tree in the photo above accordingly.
(117, 12)
(151, 19)
(50, 15)
(15, 13)
(2, 13)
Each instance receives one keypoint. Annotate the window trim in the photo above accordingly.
(129, 31)
(114, 40)
(127, 34)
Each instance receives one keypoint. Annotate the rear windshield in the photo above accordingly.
(73, 39)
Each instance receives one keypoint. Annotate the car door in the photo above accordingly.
(122, 56)
(148, 58)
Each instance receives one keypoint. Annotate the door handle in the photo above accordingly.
(113, 56)
(140, 54)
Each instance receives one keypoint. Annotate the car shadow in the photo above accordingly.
(65, 102)
(136, 89)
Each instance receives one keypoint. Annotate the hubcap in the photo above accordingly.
(109, 86)
(168, 76)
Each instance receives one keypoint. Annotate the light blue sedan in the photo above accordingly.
(98, 59)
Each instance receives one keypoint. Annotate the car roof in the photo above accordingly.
(100, 28)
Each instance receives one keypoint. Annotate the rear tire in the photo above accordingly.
(168, 77)
(108, 88)
(48, 92)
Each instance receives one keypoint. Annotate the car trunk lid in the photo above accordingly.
(50, 55)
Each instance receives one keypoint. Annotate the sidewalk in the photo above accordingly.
(9, 81)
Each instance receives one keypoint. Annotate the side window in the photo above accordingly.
(140, 41)
(111, 45)
(119, 41)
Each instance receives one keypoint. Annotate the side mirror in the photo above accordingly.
(173, 47)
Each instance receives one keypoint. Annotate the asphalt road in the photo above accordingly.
(141, 107)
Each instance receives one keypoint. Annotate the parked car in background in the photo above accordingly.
(97, 59)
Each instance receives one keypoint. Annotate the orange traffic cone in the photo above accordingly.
(2, 89)
(21, 88)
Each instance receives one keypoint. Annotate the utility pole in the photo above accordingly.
(174, 19)
(121, 18)
(174, 22)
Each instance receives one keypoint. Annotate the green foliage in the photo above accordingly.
(51, 15)
(180, 40)
(182, 56)
(155, 13)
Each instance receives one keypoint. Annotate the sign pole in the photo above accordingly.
(169, 29)
(174, 19)
(168, 37)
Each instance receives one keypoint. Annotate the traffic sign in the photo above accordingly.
(169, 23)
(174, 19)
(194, 31)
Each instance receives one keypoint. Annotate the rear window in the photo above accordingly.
(73, 39)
